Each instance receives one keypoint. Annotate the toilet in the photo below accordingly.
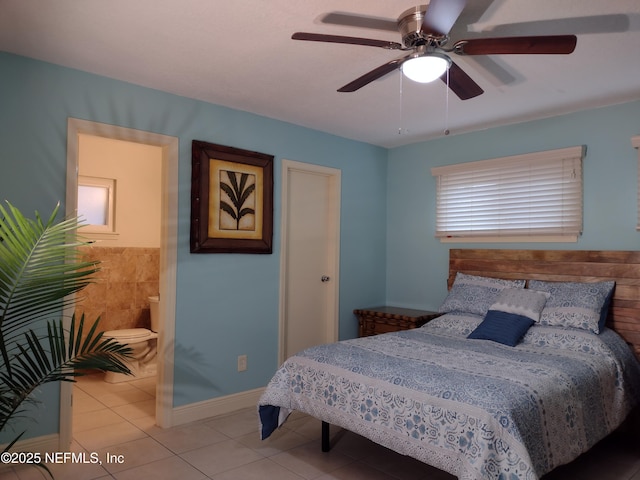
(144, 344)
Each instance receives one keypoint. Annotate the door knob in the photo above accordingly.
(324, 278)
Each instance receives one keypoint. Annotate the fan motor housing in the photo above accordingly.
(410, 27)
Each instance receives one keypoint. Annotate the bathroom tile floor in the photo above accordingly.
(118, 419)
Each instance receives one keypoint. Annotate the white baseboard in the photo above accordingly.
(217, 406)
(180, 415)
(43, 444)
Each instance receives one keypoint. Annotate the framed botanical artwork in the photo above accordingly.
(231, 200)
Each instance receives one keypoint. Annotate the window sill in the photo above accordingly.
(98, 236)
(513, 239)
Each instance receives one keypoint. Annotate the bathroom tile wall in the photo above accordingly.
(127, 277)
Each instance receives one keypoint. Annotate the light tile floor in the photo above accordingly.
(119, 420)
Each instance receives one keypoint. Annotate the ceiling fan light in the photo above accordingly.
(426, 68)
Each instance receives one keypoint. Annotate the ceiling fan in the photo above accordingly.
(425, 34)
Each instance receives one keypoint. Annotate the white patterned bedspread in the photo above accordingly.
(474, 408)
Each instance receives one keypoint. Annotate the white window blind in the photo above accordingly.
(537, 194)
(635, 141)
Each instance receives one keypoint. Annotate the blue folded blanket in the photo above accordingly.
(268, 420)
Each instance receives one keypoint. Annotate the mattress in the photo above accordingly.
(474, 408)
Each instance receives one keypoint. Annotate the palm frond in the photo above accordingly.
(36, 365)
(39, 267)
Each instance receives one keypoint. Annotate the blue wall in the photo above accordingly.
(214, 320)
(417, 263)
(388, 224)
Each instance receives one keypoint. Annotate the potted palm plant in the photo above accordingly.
(40, 270)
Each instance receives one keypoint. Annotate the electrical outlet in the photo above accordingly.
(242, 363)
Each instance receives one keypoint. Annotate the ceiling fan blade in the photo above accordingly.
(441, 15)
(618, 22)
(551, 44)
(461, 84)
(361, 21)
(369, 42)
(374, 74)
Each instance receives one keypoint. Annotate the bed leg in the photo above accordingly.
(326, 446)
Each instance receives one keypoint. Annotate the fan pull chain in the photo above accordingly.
(400, 109)
(446, 113)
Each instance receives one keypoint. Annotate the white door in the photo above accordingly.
(310, 251)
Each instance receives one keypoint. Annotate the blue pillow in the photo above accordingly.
(604, 313)
(502, 327)
(475, 294)
(575, 304)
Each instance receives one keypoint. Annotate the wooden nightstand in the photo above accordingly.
(373, 321)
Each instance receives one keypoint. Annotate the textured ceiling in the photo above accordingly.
(240, 54)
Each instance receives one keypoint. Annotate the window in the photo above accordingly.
(95, 204)
(524, 197)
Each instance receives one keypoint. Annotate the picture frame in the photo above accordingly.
(231, 200)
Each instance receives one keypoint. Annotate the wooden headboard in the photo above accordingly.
(565, 266)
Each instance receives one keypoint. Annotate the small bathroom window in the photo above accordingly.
(96, 204)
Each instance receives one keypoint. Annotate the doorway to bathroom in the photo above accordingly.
(136, 234)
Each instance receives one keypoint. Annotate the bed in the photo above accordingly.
(523, 372)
